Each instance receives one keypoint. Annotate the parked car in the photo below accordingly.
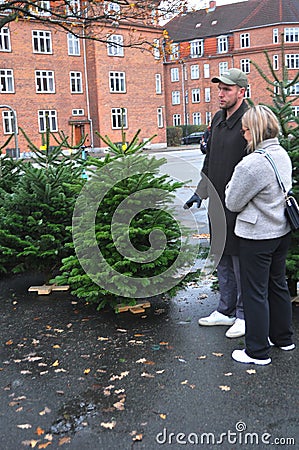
(193, 138)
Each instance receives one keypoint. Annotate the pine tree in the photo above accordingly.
(124, 175)
(282, 90)
(37, 210)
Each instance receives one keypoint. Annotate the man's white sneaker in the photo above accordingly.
(216, 318)
(242, 357)
(237, 330)
(286, 348)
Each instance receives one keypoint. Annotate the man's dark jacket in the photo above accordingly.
(226, 147)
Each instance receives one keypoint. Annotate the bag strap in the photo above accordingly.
(271, 161)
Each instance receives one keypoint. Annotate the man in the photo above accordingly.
(225, 148)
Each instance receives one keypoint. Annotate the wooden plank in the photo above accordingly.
(41, 290)
(136, 309)
(60, 288)
(295, 299)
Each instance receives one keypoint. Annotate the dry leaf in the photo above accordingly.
(44, 373)
(184, 382)
(120, 405)
(251, 371)
(100, 338)
(64, 440)
(202, 357)
(138, 437)
(45, 411)
(119, 377)
(44, 445)
(39, 431)
(225, 388)
(163, 343)
(108, 425)
(163, 416)
(228, 374)
(147, 375)
(141, 360)
(160, 371)
(56, 346)
(86, 371)
(10, 342)
(217, 354)
(55, 363)
(59, 370)
(48, 437)
(25, 372)
(24, 426)
(31, 443)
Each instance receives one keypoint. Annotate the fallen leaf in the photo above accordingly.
(138, 437)
(141, 360)
(184, 382)
(44, 445)
(108, 425)
(49, 437)
(39, 431)
(58, 330)
(25, 372)
(224, 388)
(228, 374)
(163, 416)
(120, 405)
(160, 371)
(64, 440)
(44, 373)
(119, 377)
(147, 375)
(86, 371)
(56, 346)
(33, 358)
(31, 443)
(119, 391)
(10, 342)
(202, 357)
(217, 354)
(121, 330)
(59, 370)
(163, 343)
(138, 335)
(55, 363)
(251, 371)
(45, 411)
(203, 296)
(24, 426)
(100, 338)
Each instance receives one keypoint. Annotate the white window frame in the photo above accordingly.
(275, 62)
(222, 44)
(78, 112)
(223, 67)
(295, 110)
(174, 74)
(196, 118)
(294, 90)
(73, 45)
(76, 83)
(119, 117)
(245, 65)
(7, 81)
(292, 61)
(248, 92)
(42, 41)
(207, 95)
(111, 6)
(194, 72)
(74, 7)
(196, 48)
(195, 94)
(115, 45)
(160, 119)
(5, 43)
(117, 82)
(175, 97)
(47, 119)
(8, 122)
(158, 81)
(174, 52)
(206, 70)
(176, 120)
(245, 40)
(275, 37)
(44, 81)
(41, 4)
(156, 49)
(208, 117)
(291, 34)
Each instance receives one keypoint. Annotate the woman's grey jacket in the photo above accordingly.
(255, 194)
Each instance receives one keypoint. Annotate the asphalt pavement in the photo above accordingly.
(76, 378)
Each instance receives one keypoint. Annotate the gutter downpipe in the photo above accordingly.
(87, 91)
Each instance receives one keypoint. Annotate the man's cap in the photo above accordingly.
(232, 77)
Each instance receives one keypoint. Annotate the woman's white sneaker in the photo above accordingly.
(237, 330)
(216, 318)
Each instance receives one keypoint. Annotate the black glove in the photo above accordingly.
(194, 199)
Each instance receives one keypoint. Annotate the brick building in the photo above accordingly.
(209, 41)
(48, 77)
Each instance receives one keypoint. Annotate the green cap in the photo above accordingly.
(232, 77)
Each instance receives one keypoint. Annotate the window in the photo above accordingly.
(42, 8)
(77, 112)
(245, 40)
(223, 67)
(196, 48)
(174, 74)
(195, 72)
(276, 89)
(73, 44)
(291, 34)
(41, 41)
(5, 40)
(119, 118)
(186, 96)
(44, 80)
(115, 45)
(196, 118)
(292, 61)
(76, 82)
(275, 35)
(156, 47)
(248, 92)
(175, 95)
(8, 122)
(160, 117)
(275, 62)
(112, 7)
(117, 82)
(294, 90)
(222, 44)
(174, 51)
(206, 70)
(196, 95)
(207, 95)
(158, 80)
(73, 7)
(176, 120)
(295, 111)
(6, 81)
(245, 65)
(47, 119)
(208, 117)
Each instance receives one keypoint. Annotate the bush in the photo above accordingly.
(174, 136)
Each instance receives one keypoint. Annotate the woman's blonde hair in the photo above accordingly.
(262, 123)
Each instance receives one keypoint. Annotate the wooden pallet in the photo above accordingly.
(295, 299)
(136, 309)
(46, 289)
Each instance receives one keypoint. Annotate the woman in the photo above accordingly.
(254, 193)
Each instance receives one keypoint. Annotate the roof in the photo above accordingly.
(228, 18)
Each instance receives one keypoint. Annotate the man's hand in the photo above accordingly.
(194, 199)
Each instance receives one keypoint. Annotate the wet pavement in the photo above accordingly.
(72, 377)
